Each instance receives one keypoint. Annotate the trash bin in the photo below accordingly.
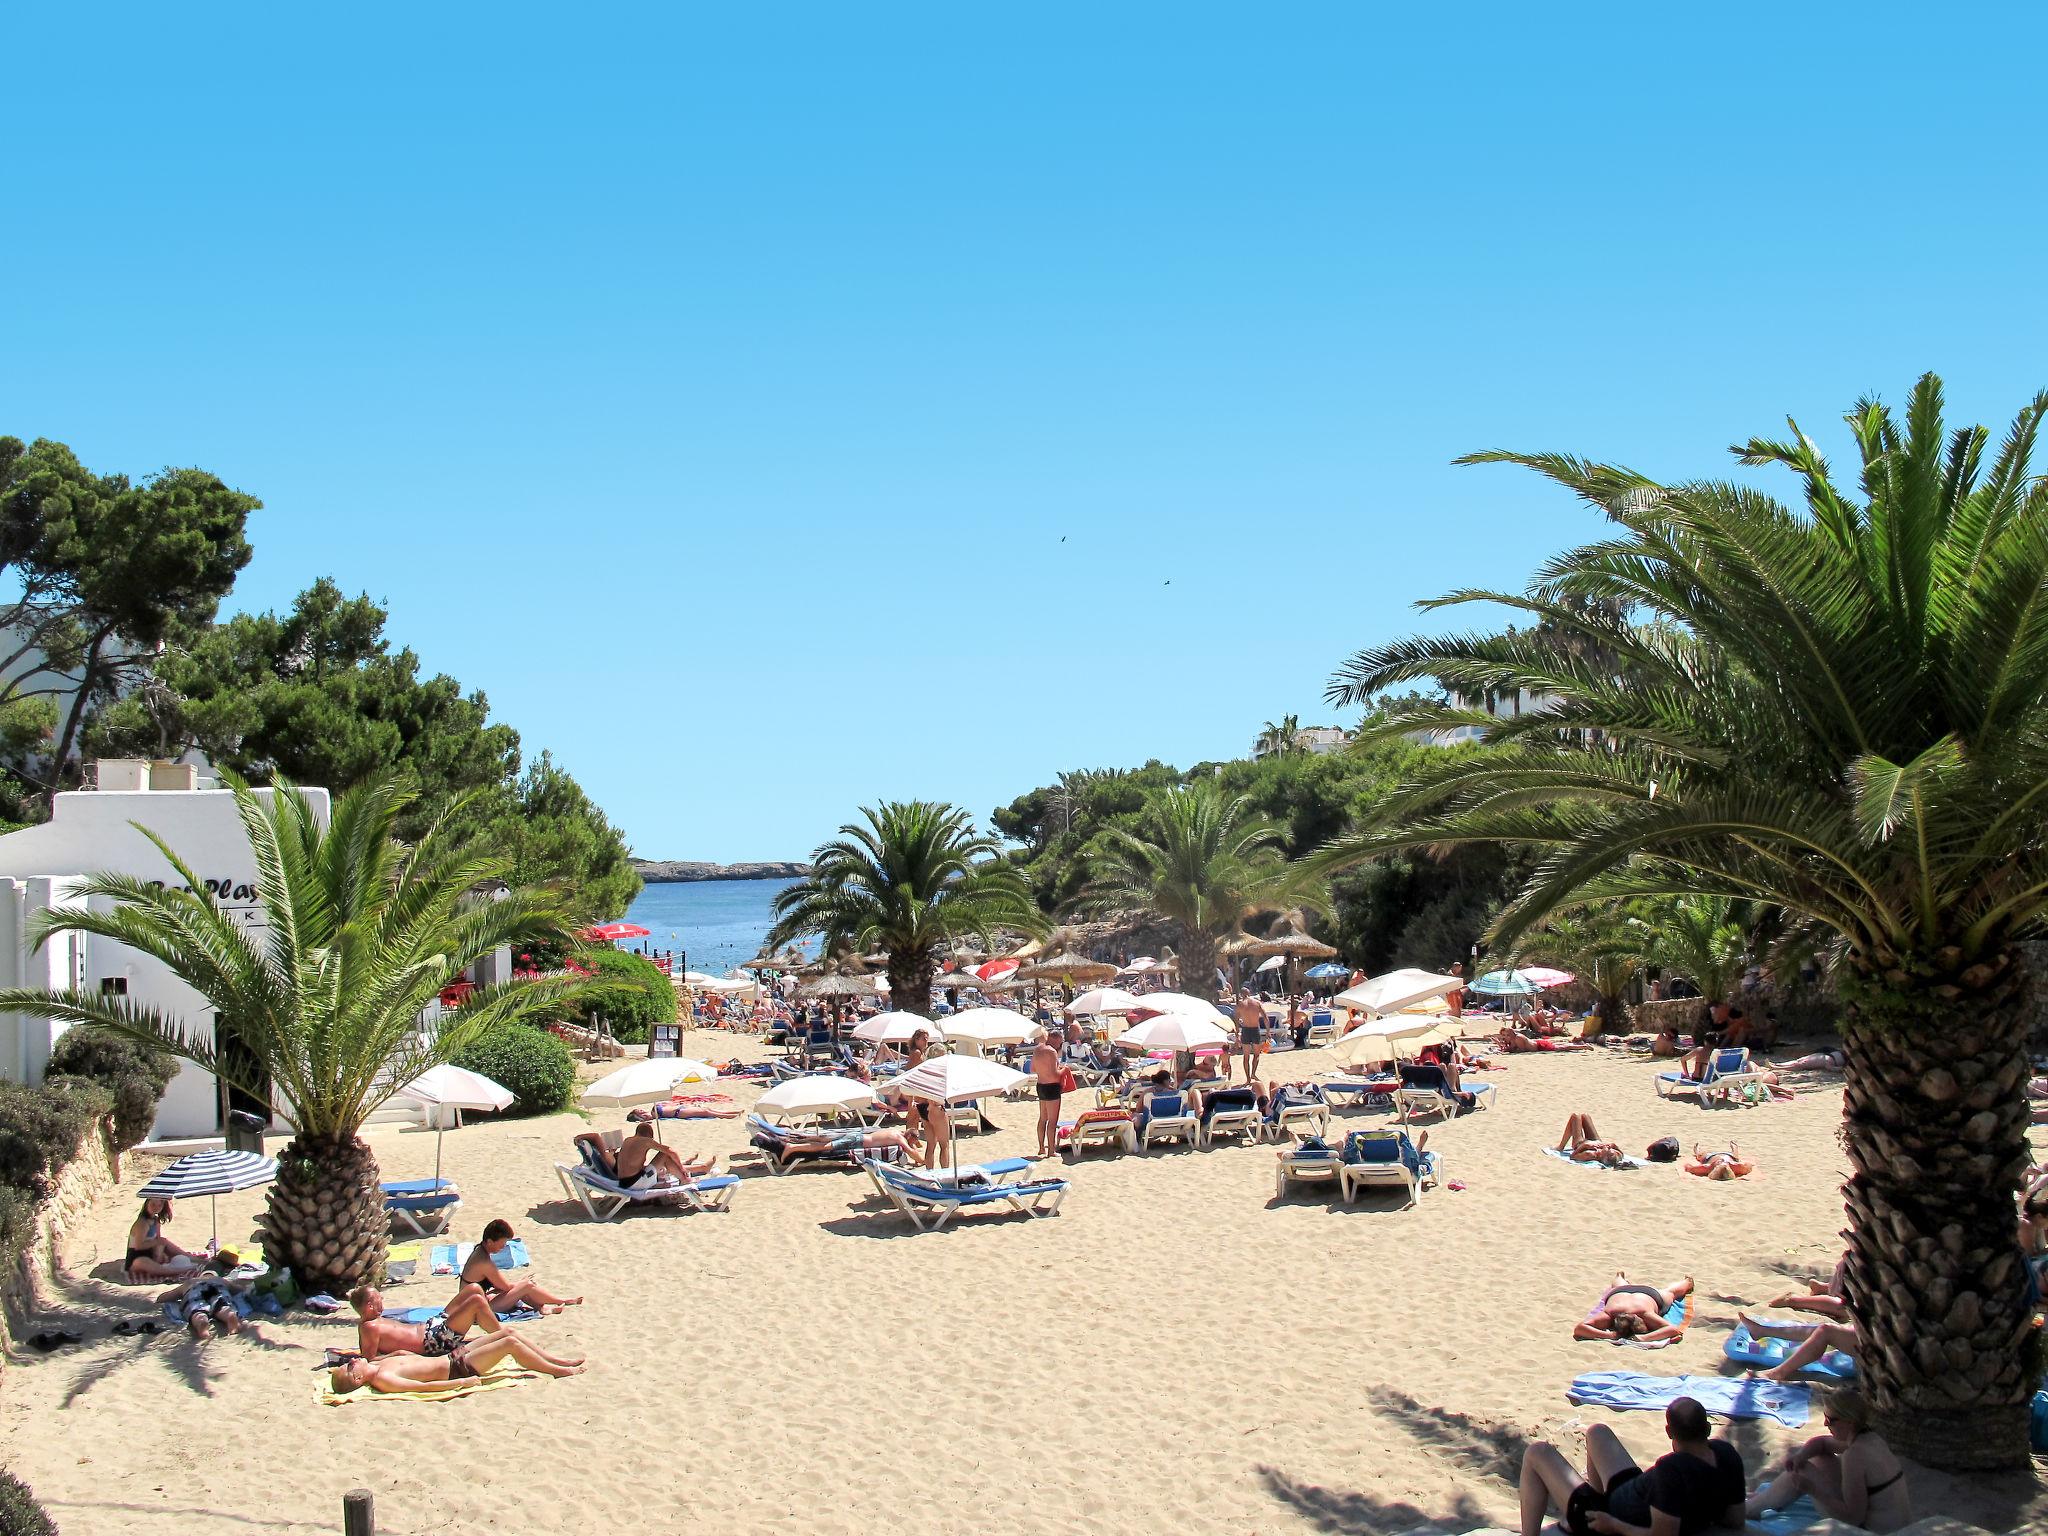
(245, 1131)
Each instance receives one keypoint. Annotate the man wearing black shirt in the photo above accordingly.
(1699, 1485)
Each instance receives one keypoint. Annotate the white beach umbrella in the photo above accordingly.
(646, 1082)
(1105, 1000)
(892, 1028)
(1174, 1032)
(821, 1094)
(1396, 990)
(954, 1079)
(1139, 966)
(1270, 963)
(1383, 1039)
(991, 1026)
(1181, 1002)
(456, 1088)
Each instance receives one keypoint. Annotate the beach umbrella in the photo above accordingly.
(1175, 1032)
(996, 970)
(1329, 970)
(1139, 966)
(991, 1026)
(1270, 963)
(456, 1088)
(953, 1079)
(646, 1082)
(1181, 1002)
(836, 986)
(1396, 990)
(1105, 1000)
(824, 1093)
(1386, 1038)
(1068, 966)
(618, 931)
(893, 1027)
(1546, 976)
(212, 1174)
(1507, 984)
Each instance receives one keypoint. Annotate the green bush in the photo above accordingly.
(134, 1073)
(631, 992)
(40, 1129)
(535, 1065)
(20, 1514)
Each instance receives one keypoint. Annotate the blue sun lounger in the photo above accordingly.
(421, 1205)
(930, 1205)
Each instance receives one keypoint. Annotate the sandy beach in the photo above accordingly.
(1174, 1349)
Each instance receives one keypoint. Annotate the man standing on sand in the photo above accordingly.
(1251, 1026)
(1045, 1066)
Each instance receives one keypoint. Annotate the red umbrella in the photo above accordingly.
(996, 970)
(618, 931)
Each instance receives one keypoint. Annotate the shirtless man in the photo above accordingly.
(480, 1273)
(1630, 1311)
(1251, 1025)
(642, 1158)
(1046, 1068)
(466, 1362)
(378, 1335)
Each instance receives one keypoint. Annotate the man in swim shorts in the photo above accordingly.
(1629, 1311)
(378, 1335)
(1700, 1484)
(1251, 1027)
(1046, 1068)
(466, 1362)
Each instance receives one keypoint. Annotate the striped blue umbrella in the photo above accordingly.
(212, 1174)
(1329, 970)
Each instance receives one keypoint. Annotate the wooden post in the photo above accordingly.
(358, 1513)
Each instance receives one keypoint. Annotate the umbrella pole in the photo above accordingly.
(438, 1133)
(215, 1201)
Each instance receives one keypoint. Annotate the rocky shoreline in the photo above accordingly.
(673, 871)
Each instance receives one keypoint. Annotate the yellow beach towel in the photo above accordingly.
(498, 1376)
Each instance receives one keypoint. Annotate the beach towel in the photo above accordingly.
(1794, 1517)
(500, 1375)
(450, 1257)
(1566, 1157)
(1732, 1397)
(1761, 1354)
(428, 1314)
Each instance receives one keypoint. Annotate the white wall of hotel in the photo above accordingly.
(95, 830)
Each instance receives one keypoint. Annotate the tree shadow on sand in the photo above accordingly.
(1361, 1514)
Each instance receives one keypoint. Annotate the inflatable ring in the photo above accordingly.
(1745, 1348)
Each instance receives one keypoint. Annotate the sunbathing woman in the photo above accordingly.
(151, 1255)
(870, 1140)
(466, 1362)
(1582, 1143)
(1850, 1471)
(1631, 1311)
(1719, 1166)
(1816, 1340)
(481, 1273)
(1824, 1296)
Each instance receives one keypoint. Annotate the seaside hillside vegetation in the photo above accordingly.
(317, 1006)
(1839, 708)
(909, 879)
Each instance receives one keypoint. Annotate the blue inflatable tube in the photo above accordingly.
(1745, 1348)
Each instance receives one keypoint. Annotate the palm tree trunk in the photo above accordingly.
(910, 980)
(1198, 962)
(325, 1219)
(1936, 1131)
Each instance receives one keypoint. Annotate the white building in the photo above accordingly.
(1317, 740)
(1511, 707)
(94, 831)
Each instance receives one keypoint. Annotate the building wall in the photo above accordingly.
(92, 831)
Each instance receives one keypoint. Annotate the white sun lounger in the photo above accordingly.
(1304, 1165)
(930, 1204)
(592, 1189)
(1179, 1122)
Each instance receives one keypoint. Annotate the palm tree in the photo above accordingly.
(916, 877)
(318, 998)
(1598, 946)
(1201, 861)
(1279, 740)
(1702, 938)
(1837, 708)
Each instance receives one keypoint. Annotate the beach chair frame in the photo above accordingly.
(1293, 1167)
(593, 1190)
(422, 1213)
(930, 1206)
(1185, 1126)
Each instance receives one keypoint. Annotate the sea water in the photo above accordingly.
(716, 923)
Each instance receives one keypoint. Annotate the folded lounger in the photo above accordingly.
(422, 1206)
(930, 1204)
(966, 1176)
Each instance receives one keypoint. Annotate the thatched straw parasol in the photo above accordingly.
(961, 979)
(792, 961)
(1067, 966)
(1295, 945)
(837, 986)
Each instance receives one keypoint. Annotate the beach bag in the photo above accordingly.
(1663, 1150)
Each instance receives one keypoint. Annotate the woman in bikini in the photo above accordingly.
(1582, 1143)
(480, 1272)
(465, 1362)
(1850, 1472)
(1629, 1311)
(151, 1255)
(1719, 1166)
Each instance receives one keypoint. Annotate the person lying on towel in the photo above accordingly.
(1629, 1311)
(439, 1373)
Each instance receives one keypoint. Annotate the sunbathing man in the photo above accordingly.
(481, 1273)
(641, 1159)
(1816, 1339)
(869, 1140)
(1582, 1143)
(378, 1335)
(465, 1362)
(1630, 1311)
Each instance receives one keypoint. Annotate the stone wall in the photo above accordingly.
(1651, 1018)
(87, 1179)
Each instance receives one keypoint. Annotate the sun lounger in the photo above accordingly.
(1167, 1116)
(1290, 1112)
(594, 1189)
(785, 1147)
(1231, 1113)
(1377, 1158)
(930, 1203)
(1360, 1091)
(1728, 1071)
(1322, 1027)
(421, 1206)
(966, 1176)
(1309, 1163)
(1102, 1126)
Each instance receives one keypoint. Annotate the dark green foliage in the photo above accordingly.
(41, 1128)
(535, 1065)
(20, 1514)
(631, 992)
(134, 1073)
(547, 828)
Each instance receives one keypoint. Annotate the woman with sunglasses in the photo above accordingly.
(1851, 1473)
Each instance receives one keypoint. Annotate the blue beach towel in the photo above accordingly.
(1732, 1397)
(448, 1258)
(1794, 1517)
(428, 1314)
(1566, 1157)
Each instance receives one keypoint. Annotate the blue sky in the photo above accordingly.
(785, 408)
